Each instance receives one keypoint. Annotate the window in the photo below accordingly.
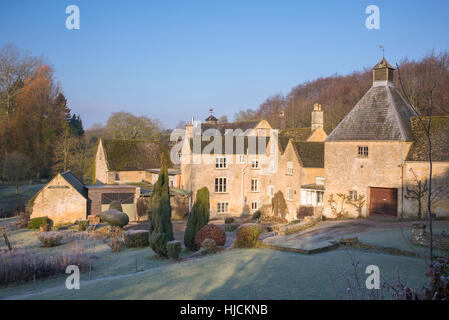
(290, 168)
(254, 185)
(254, 205)
(223, 207)
(220, 163)
(363, 151)
(289, 194)
(319, 198)
(220, 185)
(352, 195)
(309, 198)
(255, 164)
(271, 191)
(117, 176)
(241, 158)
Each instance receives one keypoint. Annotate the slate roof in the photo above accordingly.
(222, 127)
(439, 134)
(75, 183)
(383, 64)
(311, 154)
(382, 114)
(132, 155)
(211, 118)
(254, 144)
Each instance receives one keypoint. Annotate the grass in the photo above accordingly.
(242, 274)
(9, 199)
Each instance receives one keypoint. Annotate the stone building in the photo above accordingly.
(125, 161)
(64, 199)
(371, 157)
(243, 164)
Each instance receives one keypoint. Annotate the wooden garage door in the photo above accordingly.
(384, 201)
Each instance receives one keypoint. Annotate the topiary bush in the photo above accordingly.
(174, 249)
(257, 215)
(50, 239)
(210, 231)
(35, 223)
(247, 236)
(197, 219)
(136, 238)
(161, 229)
(229, 220)
(116, 205)
(114, 218)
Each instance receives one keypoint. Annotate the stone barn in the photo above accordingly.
(63, 200)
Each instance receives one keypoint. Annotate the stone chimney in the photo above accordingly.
(282, 120)
(317, 117)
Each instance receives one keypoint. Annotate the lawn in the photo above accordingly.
(239, 274)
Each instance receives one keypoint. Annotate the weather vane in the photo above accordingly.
(211, 110)
(383, 50)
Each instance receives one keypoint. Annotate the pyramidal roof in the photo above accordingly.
(382, 114)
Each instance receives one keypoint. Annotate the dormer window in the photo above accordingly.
(363, 151)
(220, 163)
(290, 168)
(255, 164)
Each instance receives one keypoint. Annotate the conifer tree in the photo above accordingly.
(197, 218)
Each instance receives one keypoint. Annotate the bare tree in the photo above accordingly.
(17, 167)
(417, 193)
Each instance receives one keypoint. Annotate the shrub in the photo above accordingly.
(137, 238)
(161, 229)
(116, 205)
(174, 249)
(209, 245)
(50, 239)
(210, 231)
(19, 265)
(83, 225)
(257, 215)
(197, 219)
(24, 218)
(229, 220)
(278, 205)
(35, 223)
(142, 207)
(304, 211)
(247, 236)
(114, 218)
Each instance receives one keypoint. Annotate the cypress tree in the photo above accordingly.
(197, 218)
(160, 219)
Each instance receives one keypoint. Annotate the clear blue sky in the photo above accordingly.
(175, 59)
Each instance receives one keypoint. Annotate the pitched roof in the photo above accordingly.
(222, 127)
(211, 118)
(383, 64)
(382, 114)
(75, 183)
(132, 155)
(298, 134)
(239, 144)
(439, 133)
(311, 154)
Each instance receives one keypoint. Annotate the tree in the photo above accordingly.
(223, 119)
(417, 193)
(197, 218)
(278, 205)
(76, 125)
(17, 168)
(126, 126)
(161, 230)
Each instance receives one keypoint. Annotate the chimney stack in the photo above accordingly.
(317, 117)
(282, 121)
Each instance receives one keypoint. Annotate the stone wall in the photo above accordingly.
(59, 201)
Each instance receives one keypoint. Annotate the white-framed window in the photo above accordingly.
(319, 181)
(223, 207)
(319, 198)
(352, 195)
(254, 185)
(254, 205)
(220, 185)
(290, 168)
(362, 151)
(271, 191)
(220, 163)
(290, 194)
(255, 164)
(241, 158)
(309, 198)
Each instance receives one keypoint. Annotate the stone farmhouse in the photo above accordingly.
(243, 164)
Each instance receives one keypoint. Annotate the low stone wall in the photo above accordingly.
(421, 237)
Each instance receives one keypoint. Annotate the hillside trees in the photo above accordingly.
(126, 126)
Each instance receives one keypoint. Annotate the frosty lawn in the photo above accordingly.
(241, 274)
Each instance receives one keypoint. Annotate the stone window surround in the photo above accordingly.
(289, 194)
(223, 207)
(221, 163)
(221, 182)
(254, 185)
(362, 151)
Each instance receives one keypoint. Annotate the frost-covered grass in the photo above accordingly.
(8, 197)
(242, 274)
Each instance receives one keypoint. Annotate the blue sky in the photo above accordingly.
(174, 59)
